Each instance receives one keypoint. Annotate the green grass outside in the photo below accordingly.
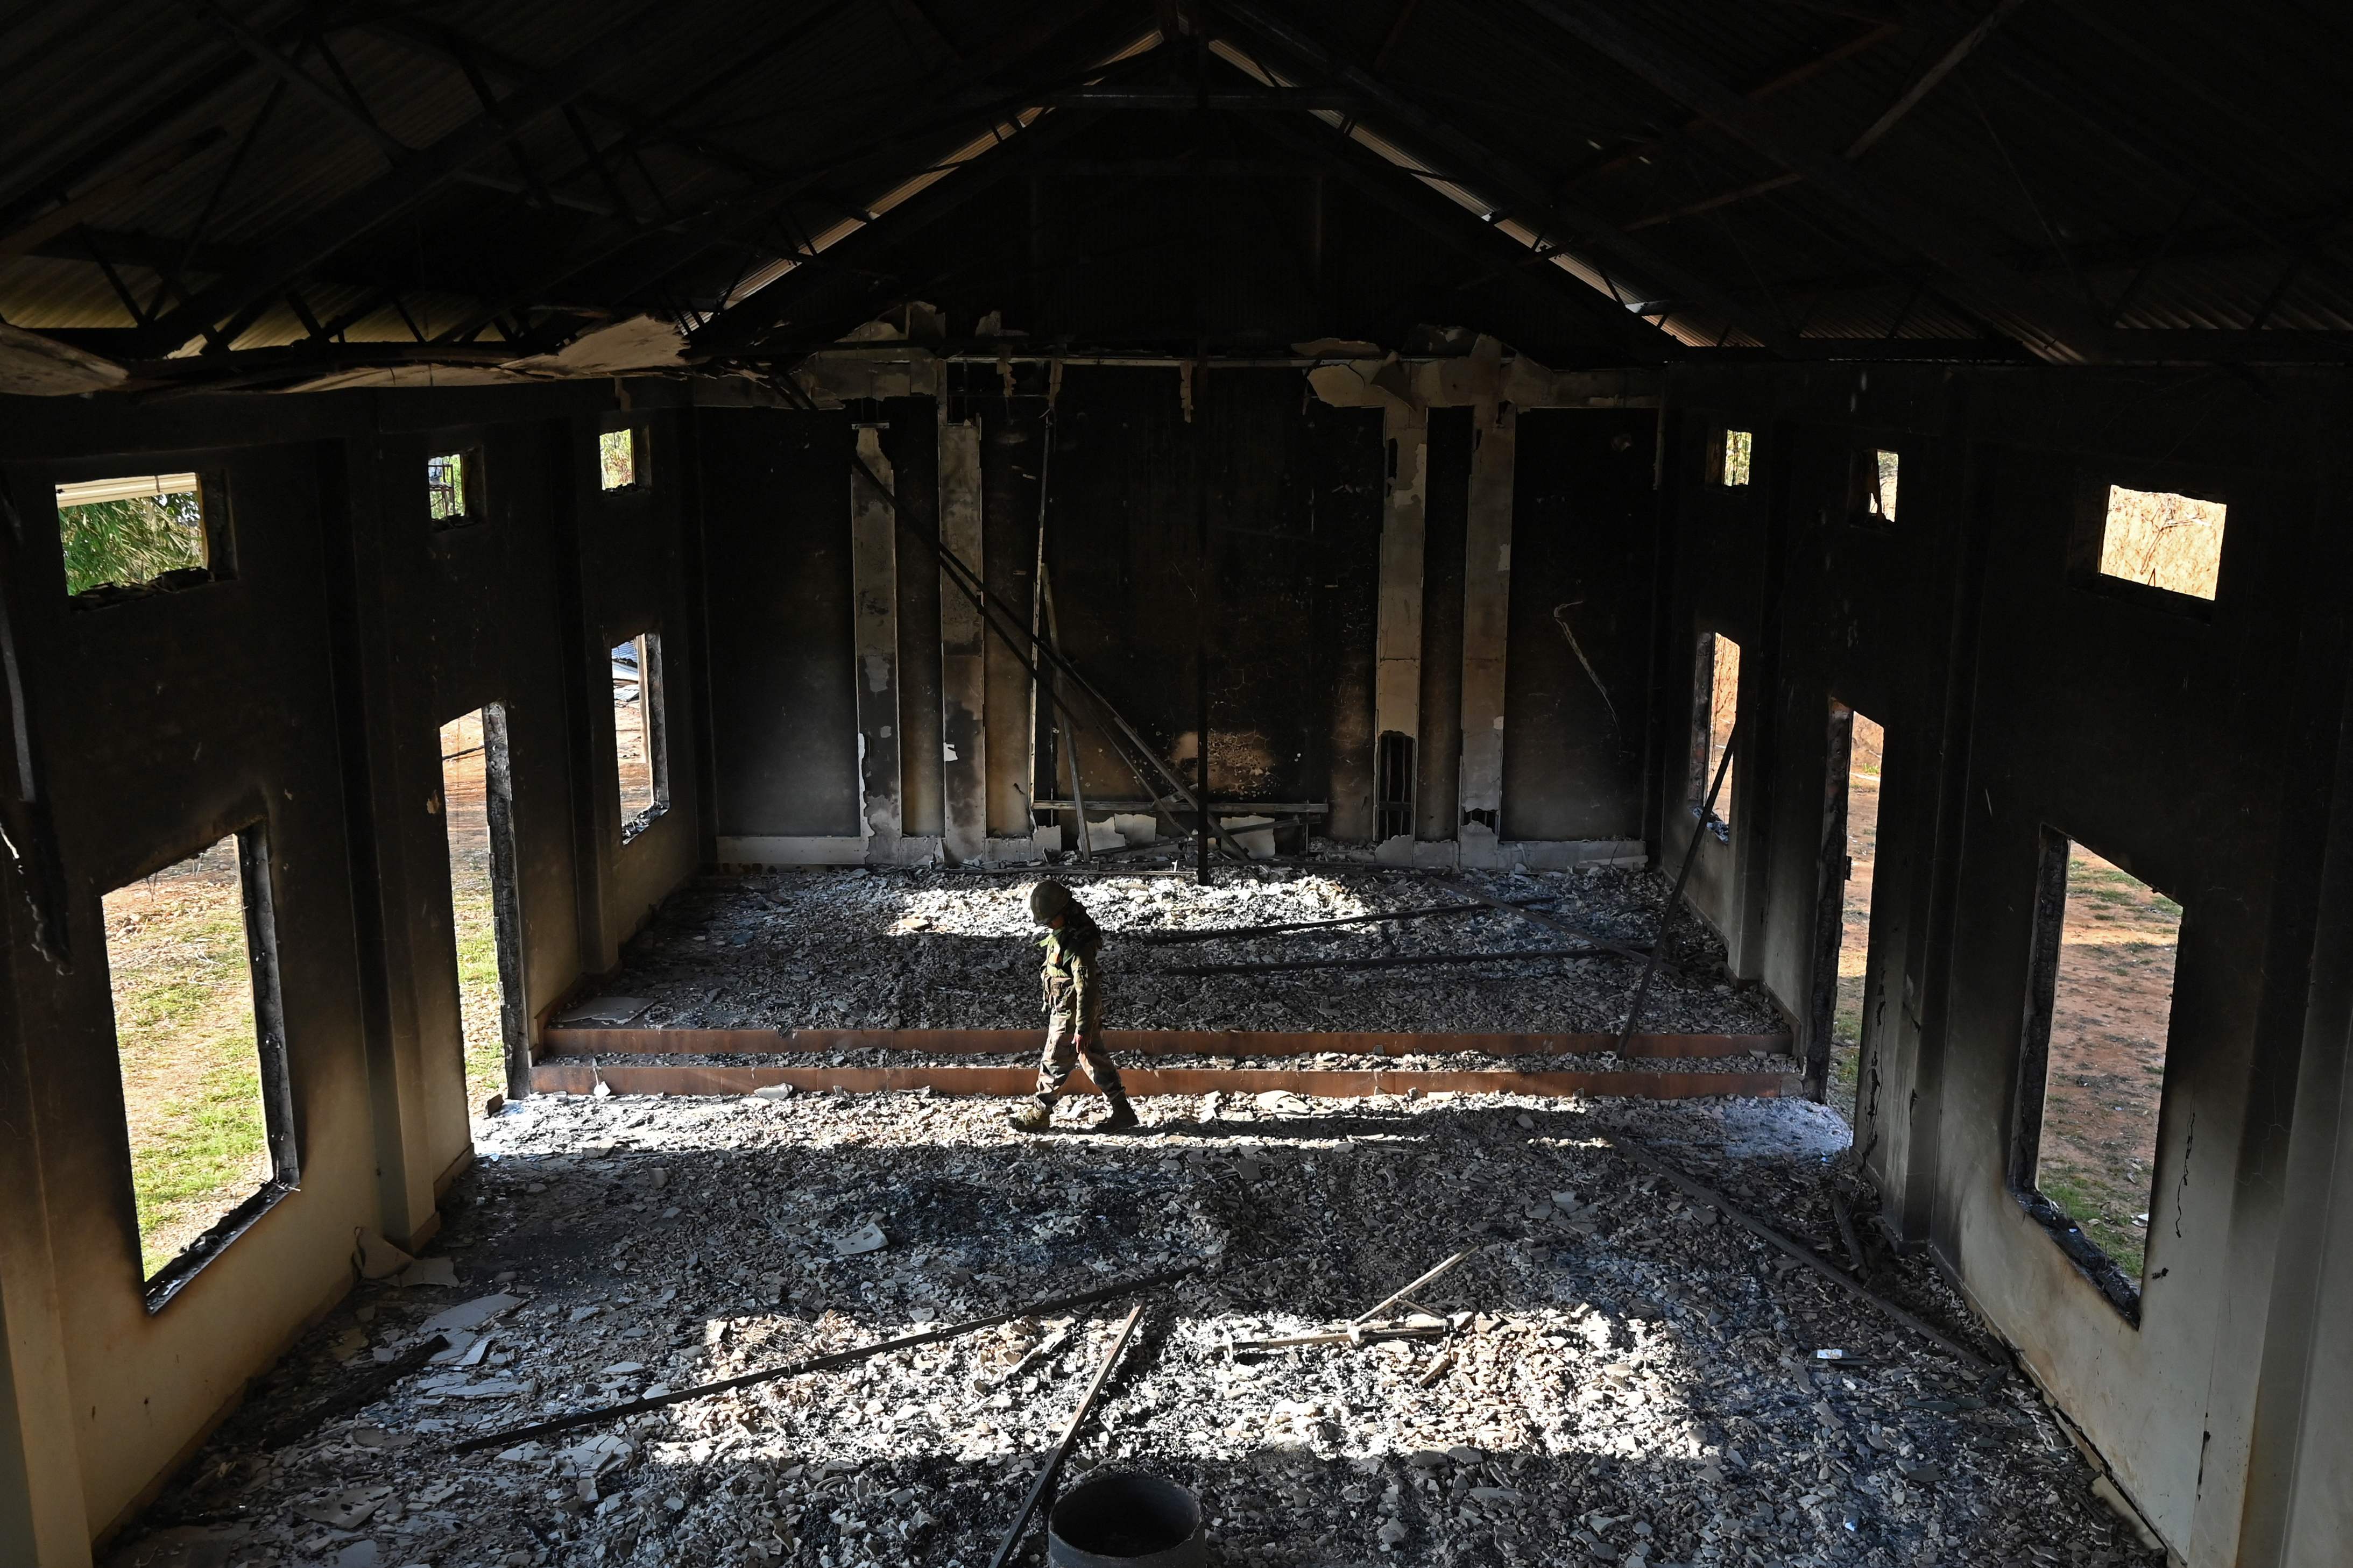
(1846, 1044)
(187, 1041)
(2101, 1209)
(477, 988)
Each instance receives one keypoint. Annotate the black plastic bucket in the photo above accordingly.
(1125, 1520)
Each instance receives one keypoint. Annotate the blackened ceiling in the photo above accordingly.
(219, 194)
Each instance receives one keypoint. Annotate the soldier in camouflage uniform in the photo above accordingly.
(1073, 987)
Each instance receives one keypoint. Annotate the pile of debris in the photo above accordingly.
(929, 949)
(1608, 1370)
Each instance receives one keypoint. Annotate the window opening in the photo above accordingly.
(1731, 457)
(2163, 541)
(620, 459)
(1716, 703)
(638, 732)
(1857, 749)
(486, 922)
(1393, 809)
(135, 533)
(2092, 1067)
(1880, 501)
(452, 487)
(191, 964)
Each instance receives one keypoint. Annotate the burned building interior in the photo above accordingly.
(568, 569)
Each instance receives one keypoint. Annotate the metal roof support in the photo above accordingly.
(726, 219)
(736, 328)
(287, 256)
(1504, 258)
(1861, 43)
(1909, 99)
(1526, 191)
(2054, 328)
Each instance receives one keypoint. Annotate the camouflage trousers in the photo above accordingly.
(1069, 1037)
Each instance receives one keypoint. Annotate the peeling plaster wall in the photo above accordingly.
(916, 449)
(874, 591)
(1012, 452)
(1487, 629)
(305, 693)
(964, 649)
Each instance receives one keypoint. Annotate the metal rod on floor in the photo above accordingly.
(823, 1362)
(1675, 899)
(1223, 933)
(1386, 1302)
(1536, 918)
(1691, 1187)
(1052, 1467)
(1396, 960)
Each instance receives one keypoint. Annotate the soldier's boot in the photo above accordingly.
(1120, 1117)
(1034, 1116)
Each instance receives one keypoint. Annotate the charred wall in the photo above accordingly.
(302, 696)
(2194, 747)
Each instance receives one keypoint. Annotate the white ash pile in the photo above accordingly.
(1617, 1377)
(922, 949)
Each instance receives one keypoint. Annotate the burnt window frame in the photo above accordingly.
(473, 482)
(2087, 536)
(281, 1124)
(641, 458)
(214, 507)
(2022, 1158)
(653, 714)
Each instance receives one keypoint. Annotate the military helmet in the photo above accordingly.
(1046, 899)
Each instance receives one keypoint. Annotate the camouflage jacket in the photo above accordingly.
(1071, 969)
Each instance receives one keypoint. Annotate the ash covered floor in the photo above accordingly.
(1629, 1383)
(931, 950)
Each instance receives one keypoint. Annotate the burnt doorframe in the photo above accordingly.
(1833, 867)
(506, 895)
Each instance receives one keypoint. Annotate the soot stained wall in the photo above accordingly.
(304, 694)
(777, 601)
(2195, 745)
(1583, 546)
(1282, 605)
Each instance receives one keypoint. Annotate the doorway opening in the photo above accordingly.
(1836, 1058)
(485, 915)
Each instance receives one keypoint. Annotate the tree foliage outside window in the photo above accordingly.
(616, 458)
(1733, 462)
(134, 540)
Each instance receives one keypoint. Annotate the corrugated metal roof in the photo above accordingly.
(2123, 168)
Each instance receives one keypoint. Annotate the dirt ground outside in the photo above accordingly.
(634, 762)
(466, 812)
(185, 1035)
(2108, 1055)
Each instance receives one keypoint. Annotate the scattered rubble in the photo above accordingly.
(1620, 1378)
(932, 948)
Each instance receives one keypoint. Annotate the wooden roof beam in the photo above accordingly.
(1523, 192)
